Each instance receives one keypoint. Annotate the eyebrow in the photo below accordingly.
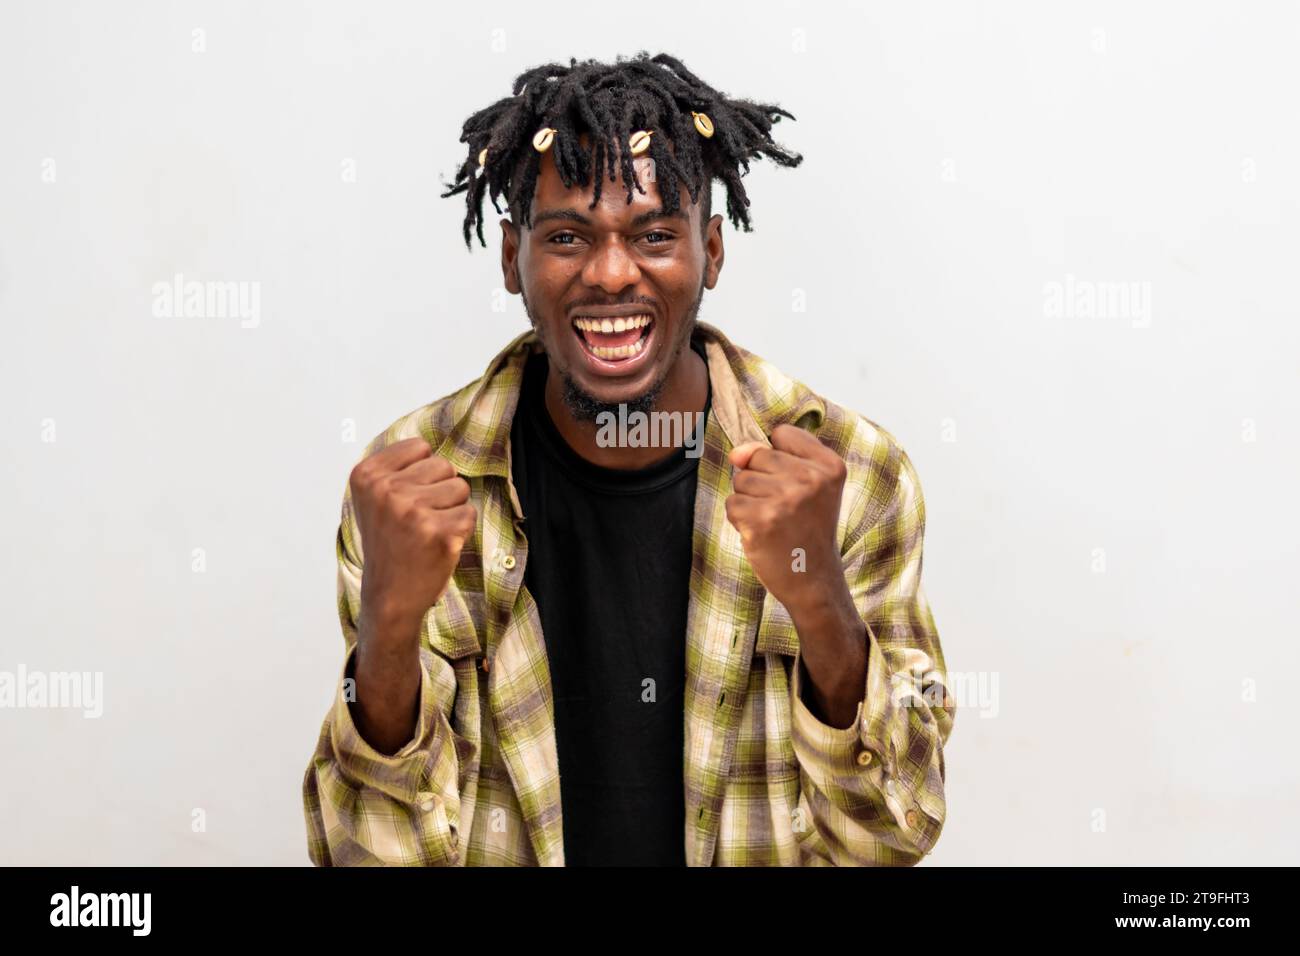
(572, 215)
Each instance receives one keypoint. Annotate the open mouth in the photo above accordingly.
(614, 340)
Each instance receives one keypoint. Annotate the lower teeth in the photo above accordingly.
(616, 352)
(622, 351)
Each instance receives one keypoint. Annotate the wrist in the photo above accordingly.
(384, 618)
(388, 654)
(821, 601)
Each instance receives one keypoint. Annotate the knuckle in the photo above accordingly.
(448, 542)
(466, 521)
(361, 475)
(428, 526)
(380, 488)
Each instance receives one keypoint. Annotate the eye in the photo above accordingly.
(667, 236)
(562, 235)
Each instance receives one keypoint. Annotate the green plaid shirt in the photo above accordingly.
(765, 781)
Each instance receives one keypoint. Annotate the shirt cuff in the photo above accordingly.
(399, 775)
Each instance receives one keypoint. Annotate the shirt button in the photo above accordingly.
(508, 562)
(911, 818)
(427, 806)
(864, 758)
(890, 788)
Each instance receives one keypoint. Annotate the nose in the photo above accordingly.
(610, 267)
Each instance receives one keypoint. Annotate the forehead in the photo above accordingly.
(550, 192)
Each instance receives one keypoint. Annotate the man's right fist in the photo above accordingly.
(414, 515)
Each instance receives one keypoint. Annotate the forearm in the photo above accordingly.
(387, 665)
(833, 643)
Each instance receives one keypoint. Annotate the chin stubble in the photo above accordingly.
(585, 407)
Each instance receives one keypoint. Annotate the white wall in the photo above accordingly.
(982, 154)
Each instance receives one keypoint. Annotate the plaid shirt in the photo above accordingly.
(766, 782)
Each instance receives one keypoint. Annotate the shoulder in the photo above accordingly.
(434, 421)
(881, 476)
(869, 448)
(882, 482)
(467, 423)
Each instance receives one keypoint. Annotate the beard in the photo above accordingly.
(585, 407)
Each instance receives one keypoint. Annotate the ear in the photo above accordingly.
(714, 253)
(510, 243)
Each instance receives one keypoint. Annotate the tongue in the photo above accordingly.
(612, 339)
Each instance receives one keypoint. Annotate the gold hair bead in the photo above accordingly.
(542, 141)
(703, 124)
(640, 141)
(482, 158)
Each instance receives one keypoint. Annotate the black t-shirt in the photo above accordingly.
(609, 563)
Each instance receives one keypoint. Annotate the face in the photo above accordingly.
(612, 291)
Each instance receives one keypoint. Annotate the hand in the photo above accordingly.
(787, 497)
(414, 515)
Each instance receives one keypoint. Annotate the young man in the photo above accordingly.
(569, 644)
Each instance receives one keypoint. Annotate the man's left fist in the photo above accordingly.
(786, 507)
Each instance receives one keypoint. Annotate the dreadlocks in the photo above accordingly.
(609, 102)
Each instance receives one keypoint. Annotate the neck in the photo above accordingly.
(684, 393)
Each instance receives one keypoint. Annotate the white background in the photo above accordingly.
(958, 159)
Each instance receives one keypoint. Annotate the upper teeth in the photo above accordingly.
(621, 324)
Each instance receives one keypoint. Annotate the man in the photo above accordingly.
(569, 645)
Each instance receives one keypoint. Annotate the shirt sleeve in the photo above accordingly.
(363, 807)
(875, 789)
